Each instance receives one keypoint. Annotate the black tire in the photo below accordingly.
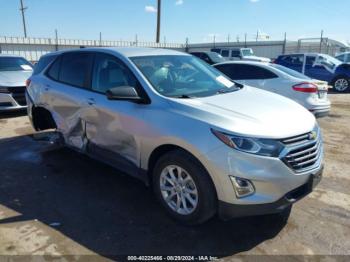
(207, 200)
(339, 78)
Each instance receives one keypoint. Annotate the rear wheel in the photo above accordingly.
(184, 188)
(341, 84)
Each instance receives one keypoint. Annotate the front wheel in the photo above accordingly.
(184, 188)
(341, 84)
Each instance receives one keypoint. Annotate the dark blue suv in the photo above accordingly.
(319, 66)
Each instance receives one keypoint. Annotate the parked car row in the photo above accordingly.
(319, 66)
(206, 144)
(310, 93)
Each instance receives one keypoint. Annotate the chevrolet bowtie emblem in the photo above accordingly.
(312, 135)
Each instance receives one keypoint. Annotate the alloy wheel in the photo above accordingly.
(341, 84)
(178, 190)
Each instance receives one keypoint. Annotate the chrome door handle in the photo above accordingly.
(91, 101)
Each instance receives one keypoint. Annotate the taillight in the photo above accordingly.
(305, 88)
(28, 83)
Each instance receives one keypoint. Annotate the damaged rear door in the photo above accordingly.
(67, 95)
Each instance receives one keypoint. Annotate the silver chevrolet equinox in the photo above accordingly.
(205, 144)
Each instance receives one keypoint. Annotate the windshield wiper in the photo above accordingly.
(183, 96)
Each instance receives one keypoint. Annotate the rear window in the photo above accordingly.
(43, 63)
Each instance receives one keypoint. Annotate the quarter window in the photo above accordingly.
(43, 62)
(54, 69)
(109, 73)
(76, 69)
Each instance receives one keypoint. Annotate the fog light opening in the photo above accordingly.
(243, 187)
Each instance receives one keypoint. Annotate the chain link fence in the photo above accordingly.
(33, 48)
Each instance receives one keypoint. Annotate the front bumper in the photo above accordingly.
(321, 111)
(11, 102)
(228, 211)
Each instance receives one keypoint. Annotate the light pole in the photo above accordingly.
(158, 20)
(23, 18)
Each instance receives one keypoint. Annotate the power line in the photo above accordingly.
(23, 9)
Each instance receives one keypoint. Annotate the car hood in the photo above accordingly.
(251, 112)
(257, 58)
(14, 78)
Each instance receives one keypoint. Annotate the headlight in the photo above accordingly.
(264, 147)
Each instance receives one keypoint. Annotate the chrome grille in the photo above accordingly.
(303, 152)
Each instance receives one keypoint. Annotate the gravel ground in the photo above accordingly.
(56, 202)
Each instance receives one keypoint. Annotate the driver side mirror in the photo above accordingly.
(125, 93)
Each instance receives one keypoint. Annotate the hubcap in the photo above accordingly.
(341, 84)
(178, 190)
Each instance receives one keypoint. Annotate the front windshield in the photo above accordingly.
(216, 57)
(247, 52)
(290, 72)
(183, 76)
(14, 64)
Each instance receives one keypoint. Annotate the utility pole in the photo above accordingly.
(158, 19)
(100, 38)
(321, 40)
(284, 43)
(56, 36)
(23, 18)
(186, 44)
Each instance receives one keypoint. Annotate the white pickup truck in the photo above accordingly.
(246, 54)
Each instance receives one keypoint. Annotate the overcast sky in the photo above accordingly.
(199, 20)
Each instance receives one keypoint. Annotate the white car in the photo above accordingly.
(246, 54)
(310, 93)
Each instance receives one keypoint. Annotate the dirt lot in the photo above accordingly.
(56, 202)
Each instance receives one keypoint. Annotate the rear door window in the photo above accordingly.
(225, 53)
(310, 60)
(246, 72)
(294, 59)
(76, 69)
(235, 53)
